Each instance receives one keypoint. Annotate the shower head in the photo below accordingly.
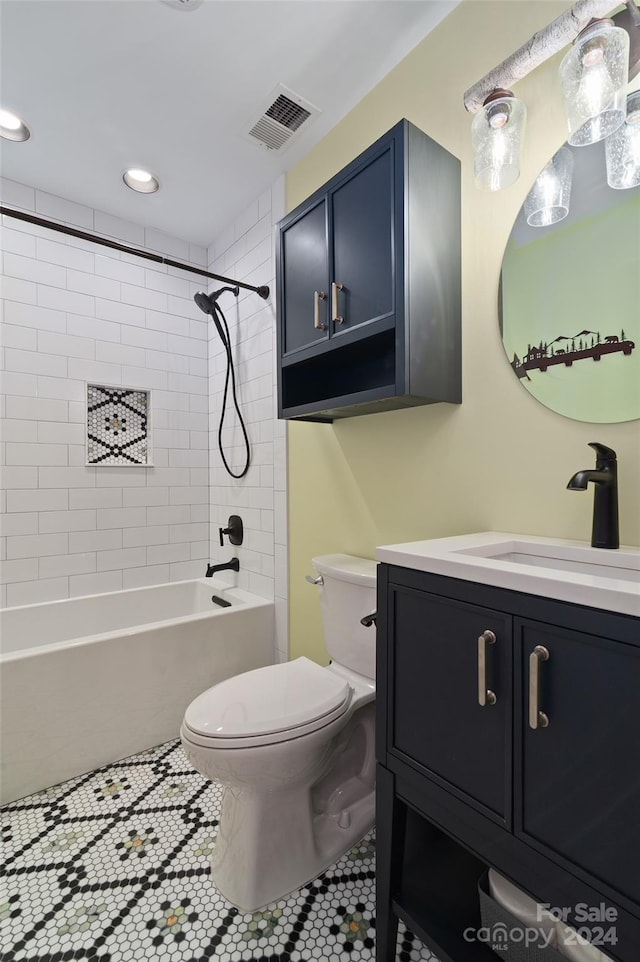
(207, 304)
(204, 303)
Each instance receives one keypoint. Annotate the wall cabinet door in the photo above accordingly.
(581, 775)
(363, 246)
(305, 276)
(437, 719)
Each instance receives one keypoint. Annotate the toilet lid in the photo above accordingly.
(267, 700)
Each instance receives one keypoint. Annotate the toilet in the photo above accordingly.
(293, 747)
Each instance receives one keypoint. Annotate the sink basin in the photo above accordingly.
(570, 571)
(620, 565)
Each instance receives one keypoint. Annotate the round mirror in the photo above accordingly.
(569, 300)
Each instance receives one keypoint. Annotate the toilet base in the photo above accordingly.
(291, 808)
(270, 846)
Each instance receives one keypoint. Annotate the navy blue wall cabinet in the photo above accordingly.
(368, 285)
(463, 786)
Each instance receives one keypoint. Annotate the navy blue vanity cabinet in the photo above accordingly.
(368, 282)
(541, 782)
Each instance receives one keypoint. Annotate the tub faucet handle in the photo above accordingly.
(234, 529)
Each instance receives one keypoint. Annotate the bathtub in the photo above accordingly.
(87, 681)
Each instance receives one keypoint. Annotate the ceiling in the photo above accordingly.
(109, 84)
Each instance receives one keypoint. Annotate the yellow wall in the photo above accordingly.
(500, 461)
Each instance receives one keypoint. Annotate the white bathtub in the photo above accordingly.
(87, 681)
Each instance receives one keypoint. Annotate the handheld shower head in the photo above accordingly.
(204, 302)
(207, 303)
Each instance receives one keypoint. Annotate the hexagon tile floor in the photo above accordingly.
(113, 866)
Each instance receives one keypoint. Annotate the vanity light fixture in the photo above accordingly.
(622, 149)
(13, 127)
(594, 73)
(548, 200)
(593, 76)
(141, 180)
(497, 132)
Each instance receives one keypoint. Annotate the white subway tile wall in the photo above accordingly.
(75, 312)
(246, 251)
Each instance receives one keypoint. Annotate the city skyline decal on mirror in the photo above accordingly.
(568, 349)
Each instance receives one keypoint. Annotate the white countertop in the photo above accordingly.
(570, 571)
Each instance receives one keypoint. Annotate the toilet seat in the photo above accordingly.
(267, 705)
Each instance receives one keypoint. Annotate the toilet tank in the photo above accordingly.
(347, 594)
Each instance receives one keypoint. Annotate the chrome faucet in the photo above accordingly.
(605, 532)
(233, 565)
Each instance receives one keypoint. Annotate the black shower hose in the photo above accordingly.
(223, 331)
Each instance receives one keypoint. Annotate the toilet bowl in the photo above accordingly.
(293, 747)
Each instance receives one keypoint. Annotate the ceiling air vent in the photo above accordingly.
(282, 119)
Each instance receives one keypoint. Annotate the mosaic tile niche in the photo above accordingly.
(118, 426)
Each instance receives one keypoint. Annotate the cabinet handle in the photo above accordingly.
(317, 322)
(537, 718)
(485, 695)
(336, 318)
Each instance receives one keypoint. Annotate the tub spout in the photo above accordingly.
(233, 565)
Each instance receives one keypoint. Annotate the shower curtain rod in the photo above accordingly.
(262, 291)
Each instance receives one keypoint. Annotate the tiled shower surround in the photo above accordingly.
(114, 866)
(76, 312)
(246, 251)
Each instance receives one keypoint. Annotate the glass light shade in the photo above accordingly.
(622, 149)
(497, 132)
(594, 76)
(548, 200)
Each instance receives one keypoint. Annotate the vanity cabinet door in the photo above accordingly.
(437, 721)
(580, 776)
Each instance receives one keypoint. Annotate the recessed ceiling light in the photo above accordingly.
(12, 127)
(184, 4)
(141, 180)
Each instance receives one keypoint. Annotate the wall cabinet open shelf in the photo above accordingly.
(368, 281)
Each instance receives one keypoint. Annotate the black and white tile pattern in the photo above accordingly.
(117, 425)
(114, 866)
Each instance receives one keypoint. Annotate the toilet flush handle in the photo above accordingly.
(314, 581)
